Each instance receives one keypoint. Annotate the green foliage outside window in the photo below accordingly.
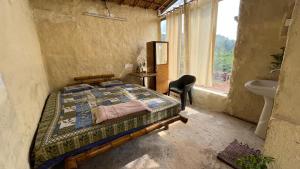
(224, 51)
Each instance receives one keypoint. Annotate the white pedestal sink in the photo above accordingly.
(267, 89)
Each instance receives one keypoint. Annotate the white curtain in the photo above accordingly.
(175, 39)
(191, 47)
(200, 31)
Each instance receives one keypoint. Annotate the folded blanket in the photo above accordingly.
(104, 113)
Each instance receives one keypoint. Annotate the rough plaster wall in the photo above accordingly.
(283, 138)
(283, 143)
(260, 23)
(23, 86)
(77, 45)
(209, 100)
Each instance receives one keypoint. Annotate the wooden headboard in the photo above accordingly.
(96, 79)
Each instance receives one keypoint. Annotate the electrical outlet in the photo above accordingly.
(288, 22)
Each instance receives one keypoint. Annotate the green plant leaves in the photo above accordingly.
(277, 59)
(254, 162)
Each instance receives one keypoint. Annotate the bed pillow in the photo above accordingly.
(112, 83)
(77, 88)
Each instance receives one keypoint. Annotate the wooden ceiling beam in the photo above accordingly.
(121, 2)
(135, 2)
(165, 4)
(147, 7)
(153, 3)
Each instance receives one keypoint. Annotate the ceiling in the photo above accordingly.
(159, 5)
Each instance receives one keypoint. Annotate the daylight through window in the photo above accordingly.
(228, 10)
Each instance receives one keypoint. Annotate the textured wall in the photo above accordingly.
(283, 138)
(76, 45)
(23, 86)
(260, 23)
(209, 100)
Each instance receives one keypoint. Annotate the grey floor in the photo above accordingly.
(184, 146)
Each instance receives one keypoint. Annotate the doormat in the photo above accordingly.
(234, 151)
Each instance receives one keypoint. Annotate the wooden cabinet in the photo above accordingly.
(158, 62)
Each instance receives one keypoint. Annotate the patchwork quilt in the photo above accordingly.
(67, 122)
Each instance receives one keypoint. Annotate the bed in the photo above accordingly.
(67, 130)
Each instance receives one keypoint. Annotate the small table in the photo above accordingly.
(143, 75)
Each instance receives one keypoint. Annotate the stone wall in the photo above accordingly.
(283, 138)
(260, 24)
(23, 83)
(76, 45)
(209, 100)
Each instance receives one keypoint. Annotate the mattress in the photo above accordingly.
(67, 123)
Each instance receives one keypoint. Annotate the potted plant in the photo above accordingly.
(254, 162)
(277, 60)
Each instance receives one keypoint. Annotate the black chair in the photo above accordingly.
(183, 86)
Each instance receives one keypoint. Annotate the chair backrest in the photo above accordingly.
(186, 80)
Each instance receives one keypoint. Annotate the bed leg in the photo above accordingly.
(183, 119)
(70, 163)
(166, 127)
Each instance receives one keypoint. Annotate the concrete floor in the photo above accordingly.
(190, 146)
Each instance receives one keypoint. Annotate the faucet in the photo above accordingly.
(274, 70)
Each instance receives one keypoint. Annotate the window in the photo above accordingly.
(163, 30)
(190, 41)
(228, 10)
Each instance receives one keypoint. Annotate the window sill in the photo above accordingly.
(215, 92)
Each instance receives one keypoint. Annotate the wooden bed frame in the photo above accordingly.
(96, 79)
(72, 162)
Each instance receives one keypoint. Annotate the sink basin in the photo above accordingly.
(267, 89)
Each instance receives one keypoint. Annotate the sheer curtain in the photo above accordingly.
(200, 31)
(175, 39)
